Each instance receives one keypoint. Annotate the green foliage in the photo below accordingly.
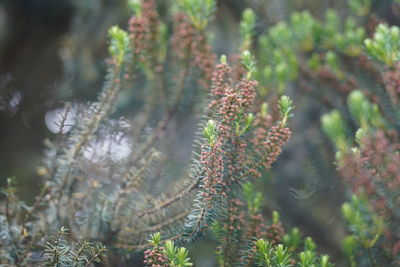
(166, 254)
(238, 231)
(210, 132)
(198, 11)
(178, 257)
(363, 166)
(136, 7)
(347, 37)
(309, 244)
(119, 43)
(307, 258)
(350, 42)
(253, 199)
(249, 63)
(314, 62)
(248, 122)
(278, 61)
(223, 59)
(303, 26)
(277, 255)
(264, 109)
(334, 126)
(155, 239)
(359, 107)
(261, 252)
(360, 7)
(364, 113)
(350, 248)
(324, 261)
(355, 213)
(365, 226)
(332, 61)
(285, 108)
(247, 26)
(292, 240)
(329, 29)
(280, 35)
(269, 255)
(385, 44)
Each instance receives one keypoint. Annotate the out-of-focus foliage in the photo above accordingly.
(360, 7)
(338, 65)
(384, 46)
(115, 180)
(368, 164)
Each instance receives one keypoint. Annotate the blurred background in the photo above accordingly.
(54, 51)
